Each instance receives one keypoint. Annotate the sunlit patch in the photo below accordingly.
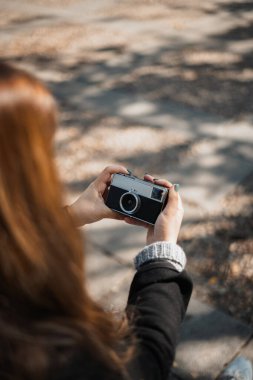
(220, 58)
(137, 109)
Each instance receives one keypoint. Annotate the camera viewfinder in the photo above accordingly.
(157, 193)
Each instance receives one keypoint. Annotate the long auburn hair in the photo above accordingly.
(43, 299)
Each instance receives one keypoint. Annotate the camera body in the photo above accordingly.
(137, 198)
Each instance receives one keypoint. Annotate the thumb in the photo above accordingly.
(174, 201)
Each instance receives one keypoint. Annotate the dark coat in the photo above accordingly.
(159, 297)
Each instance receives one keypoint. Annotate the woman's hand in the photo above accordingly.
(169, 221)
(90, 206)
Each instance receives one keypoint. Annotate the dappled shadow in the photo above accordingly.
(219, 327)
(216, 88)
(208, 76)
(238, 33)
(25, 20)
(235, 6)
(220, 250)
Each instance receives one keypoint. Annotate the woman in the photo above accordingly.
(50, 328)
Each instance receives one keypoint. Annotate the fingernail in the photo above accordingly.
(129, 171)
(176, 187)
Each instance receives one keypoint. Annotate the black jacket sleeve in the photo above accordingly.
(158, 300)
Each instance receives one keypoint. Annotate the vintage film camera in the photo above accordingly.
(137, 198)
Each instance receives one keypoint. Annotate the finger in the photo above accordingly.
(117, 216)
(180, 203)
(106, 174)
(175, 201)
(163, 182)
(105, 193)
(106, 212)
(136, 222)
(148, 177)
(104, 177)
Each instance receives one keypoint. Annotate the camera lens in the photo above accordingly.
(129, 203)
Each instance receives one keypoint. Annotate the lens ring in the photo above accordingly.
(134, 197)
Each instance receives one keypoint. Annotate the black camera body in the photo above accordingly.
(137, 198)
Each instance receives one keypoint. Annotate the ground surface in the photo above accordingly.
(220, 254)
(163, 87)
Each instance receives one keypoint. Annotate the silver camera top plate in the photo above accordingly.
(139, 186)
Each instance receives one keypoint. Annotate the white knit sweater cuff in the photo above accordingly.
(164, 250)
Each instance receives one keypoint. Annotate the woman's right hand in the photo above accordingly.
(90, 206)
(169, 221)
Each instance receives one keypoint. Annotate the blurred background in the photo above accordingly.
(162, 87)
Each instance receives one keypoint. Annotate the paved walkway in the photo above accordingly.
(160, 86)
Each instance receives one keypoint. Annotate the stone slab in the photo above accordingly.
(247, 350)
(120, 240)
(104, 274)
(209, 340)
(116, 299)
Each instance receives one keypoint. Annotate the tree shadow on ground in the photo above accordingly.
(220, 249)
(238, 33)
(237, 7)
(207, 76)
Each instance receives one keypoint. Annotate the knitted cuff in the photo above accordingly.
(162, 250)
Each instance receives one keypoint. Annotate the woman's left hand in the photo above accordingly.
(90, 206)
(168, 223)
